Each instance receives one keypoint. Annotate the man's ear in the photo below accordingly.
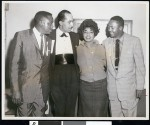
(121, 28)
(60, 23)
(42, 22)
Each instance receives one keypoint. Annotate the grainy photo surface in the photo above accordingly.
(75, 60)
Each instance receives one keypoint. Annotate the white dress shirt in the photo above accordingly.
(63, 44)
(38, 38)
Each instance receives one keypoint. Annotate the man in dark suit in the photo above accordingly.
(64, 70)
(29, 71)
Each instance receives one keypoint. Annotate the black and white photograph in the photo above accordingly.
(75, 60)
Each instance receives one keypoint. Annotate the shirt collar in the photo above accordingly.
(36, 31)
(59, 32)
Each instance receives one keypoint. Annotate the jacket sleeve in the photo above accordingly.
(14, 71)
(140, 66)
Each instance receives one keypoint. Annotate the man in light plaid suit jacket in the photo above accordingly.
(125, 81)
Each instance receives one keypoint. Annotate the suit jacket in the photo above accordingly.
(28, 67)
(131, 70)
(74, 42)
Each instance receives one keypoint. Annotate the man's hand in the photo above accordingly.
(139, 93)
(16, 98)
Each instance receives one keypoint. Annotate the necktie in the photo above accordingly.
(42, 44)
(63, 35)
(117, 53)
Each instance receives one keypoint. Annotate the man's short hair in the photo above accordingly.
(61, 17)
(88, 23)
(39, 15)
(119, 19)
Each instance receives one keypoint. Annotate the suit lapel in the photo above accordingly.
(112, 56)
(53, 41)
(73, 43)
(34, 39)
(53, 47)
(48, 43)
(123, 53)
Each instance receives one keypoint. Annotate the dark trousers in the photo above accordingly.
(64, 90)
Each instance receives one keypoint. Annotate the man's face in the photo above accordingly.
(47, 25)
(114, 29)
(67, 24)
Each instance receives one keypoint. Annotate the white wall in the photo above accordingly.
(19, 15)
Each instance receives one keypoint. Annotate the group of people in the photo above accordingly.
(72, 70)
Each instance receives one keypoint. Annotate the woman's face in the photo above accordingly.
(88, 34)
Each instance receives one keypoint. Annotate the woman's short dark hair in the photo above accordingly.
(88, 23)
(39, 15)
(61, 17)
